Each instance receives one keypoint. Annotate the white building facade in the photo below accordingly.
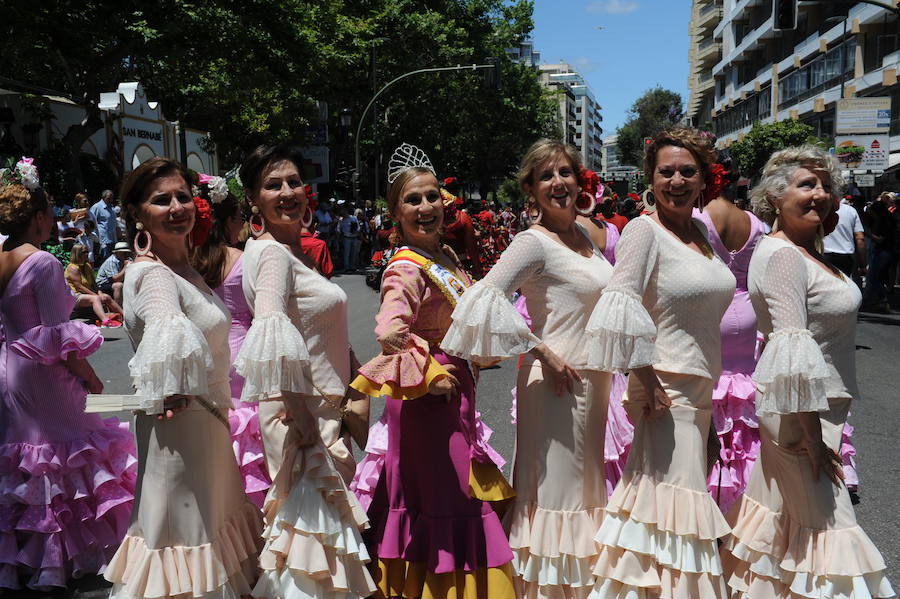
(579, 112)
(838, 50)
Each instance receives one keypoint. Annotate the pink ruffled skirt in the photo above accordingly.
(64, 507)
(246, 442)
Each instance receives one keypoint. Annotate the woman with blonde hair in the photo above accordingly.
(794, 530)
(559, 473)
(81, 279)
(434, 533)
(659, 319)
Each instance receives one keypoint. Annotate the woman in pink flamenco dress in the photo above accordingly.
(734, 395)
(222, 266)
(434, 533)
(66, 477)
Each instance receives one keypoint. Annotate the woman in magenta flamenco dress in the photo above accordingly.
(434, 533)
(66, 477)
(221, 264)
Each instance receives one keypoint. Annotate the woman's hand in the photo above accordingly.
(821, 459)
(94, 384)
(560, 372)
(446, 386)
(174, 404)
(659, 401)
(301, 419)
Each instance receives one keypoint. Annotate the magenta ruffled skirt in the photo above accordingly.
(64, 507)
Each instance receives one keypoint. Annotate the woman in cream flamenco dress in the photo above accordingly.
(296, 362)
(193, 532)
(795, 534)
(559, 465)
(659, 535)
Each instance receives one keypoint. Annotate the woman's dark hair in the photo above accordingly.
(137, 183)
(263, 156)
(209, 259)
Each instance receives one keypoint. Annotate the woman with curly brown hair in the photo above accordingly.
(66, 477)
(659, 319)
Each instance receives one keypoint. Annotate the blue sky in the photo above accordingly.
(643, 43)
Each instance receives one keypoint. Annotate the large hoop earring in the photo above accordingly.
(651, 199)
(584, 198)
(307, 218)
(257, 228)
(142, 249)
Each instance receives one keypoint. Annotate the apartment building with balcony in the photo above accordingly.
(579, 111)
(705, 52)
(838, 50)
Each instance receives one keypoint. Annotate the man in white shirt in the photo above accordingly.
(846, 241)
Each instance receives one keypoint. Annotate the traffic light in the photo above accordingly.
(492, 78)
(784, 13)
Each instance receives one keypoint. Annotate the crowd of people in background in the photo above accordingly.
(662, 450)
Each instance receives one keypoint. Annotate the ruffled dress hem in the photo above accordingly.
(65, 506)
(770, 555)
(399, 579)
(659, 539)
(554, 550)
(313, 545)
(734, 418)
(137, 571)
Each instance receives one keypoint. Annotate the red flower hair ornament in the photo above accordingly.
(202, 222)
(716, 181)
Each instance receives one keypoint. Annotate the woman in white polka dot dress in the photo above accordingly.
(659, 319)
(795, 533)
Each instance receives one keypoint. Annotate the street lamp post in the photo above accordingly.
(493, 63)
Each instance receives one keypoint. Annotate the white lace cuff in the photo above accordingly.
(791, 374)
(172, 359)
(621, 333)
(486, 327)
(273, 359)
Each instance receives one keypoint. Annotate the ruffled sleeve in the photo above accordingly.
(486, 325)
(621, 332)
(49, 344)
(791, 372)
(173, 357)
(274, 357)
(57, 336)
(405, 368)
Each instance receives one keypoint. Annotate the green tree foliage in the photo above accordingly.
(253, 72)
(657, 109)
(762, 141)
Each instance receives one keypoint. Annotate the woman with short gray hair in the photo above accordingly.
(794, 530)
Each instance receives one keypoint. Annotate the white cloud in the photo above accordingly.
(584, 64)
(612, 7)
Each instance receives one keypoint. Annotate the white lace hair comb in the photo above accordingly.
(405, 157)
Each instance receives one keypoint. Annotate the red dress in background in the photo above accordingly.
(317, 249)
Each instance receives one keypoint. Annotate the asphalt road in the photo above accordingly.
(876, 417)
